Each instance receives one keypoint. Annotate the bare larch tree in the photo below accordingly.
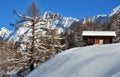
(44, 42)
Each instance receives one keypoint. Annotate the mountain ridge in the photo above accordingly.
(4, 33)
(60, 22)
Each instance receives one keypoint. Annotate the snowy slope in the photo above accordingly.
(4, 33)
(91, 61)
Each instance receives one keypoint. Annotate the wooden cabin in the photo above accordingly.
(98, 37)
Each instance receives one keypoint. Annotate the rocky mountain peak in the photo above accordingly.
(116, 10)
(4, 33)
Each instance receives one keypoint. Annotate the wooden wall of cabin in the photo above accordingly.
(90, 40)
(107, 40)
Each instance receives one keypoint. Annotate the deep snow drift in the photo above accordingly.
(91, 61)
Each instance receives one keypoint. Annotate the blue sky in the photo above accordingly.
(71, 8)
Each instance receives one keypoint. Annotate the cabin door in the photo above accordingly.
(98, 41)
(101, 41)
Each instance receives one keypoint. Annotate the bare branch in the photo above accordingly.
(21, 16)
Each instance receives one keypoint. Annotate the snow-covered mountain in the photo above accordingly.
(102, 17)
(90, 61)
(59, 21)
(18, 33)
(115, 11)
(4, 33)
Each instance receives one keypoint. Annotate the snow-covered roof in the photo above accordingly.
(99, 33)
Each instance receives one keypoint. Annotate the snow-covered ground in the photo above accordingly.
(91, 61)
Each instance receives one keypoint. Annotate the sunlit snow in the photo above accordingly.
(90, 61)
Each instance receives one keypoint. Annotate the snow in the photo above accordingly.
(102, 15)
(115, 11)
(18, 33)
(60, 22)
(116, 75)
(99, 33)
(90, 61)
(4, 33)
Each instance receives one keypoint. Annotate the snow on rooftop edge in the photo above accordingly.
(99, 33)
(91, 61)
